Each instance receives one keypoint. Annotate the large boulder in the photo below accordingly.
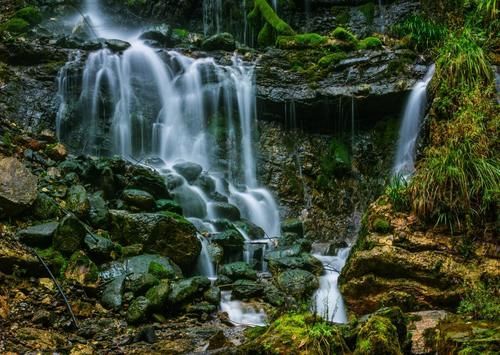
(230, 240)
(185, 290)
(378, 336)
(138, 311)
(161, 33)
(238, 270)
(226, 211)
(297, 283)
(142, 178)
(245, 289)
(190, 171)
(220, 41)
(18, 187)
(164, 233)
(138, 200)
(303, 261)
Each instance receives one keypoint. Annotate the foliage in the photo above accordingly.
(370, 43)
(481, 302)
(29, 14)
(336, 160)
(422, 32)
(398, 193)
(381, 225)
(342, 34)
(180, 32)
(16, 26)
(489, 8)
(305, 40)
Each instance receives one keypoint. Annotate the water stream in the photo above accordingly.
(404, 163)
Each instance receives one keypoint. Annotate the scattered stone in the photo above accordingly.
(39, 235)
(221, 41)
(190, 171)
(18, 187)
(45, 207)
(99, 248)
(297, 283)
(98, 214)
(82, 270)
(77, 201)
(69, 235)
(139, 200)
(238, 270)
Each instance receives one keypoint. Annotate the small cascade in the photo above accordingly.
(241, 313)
(205, 265)
(275, 5)
(404, 164)
(328, 300)
(212, 16)
(381, 10)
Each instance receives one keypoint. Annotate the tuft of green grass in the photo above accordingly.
(423, 33)
(481, 302)
(398, 193)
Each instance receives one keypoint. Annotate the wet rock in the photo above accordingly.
(221, 41)
(212, 295)
(162, 272)
(111, 297)
(148, 180)
(201, 308)
(164, 233)
(132, 250)
(206, 183)
(297, 283)
(18, 187)
(99, 248)
(98, 214)
(161, 33)
(190, 171)
(39, 235)
(168, 205)
(138, 310)
(226, 210)
(238, 270)
(302, 246)
(45, 207)
(139, 200)
(252, 230)
(245, 289)
(185, 290)
(69, 235)
(78, 201)
(82, 270)
(273, 295)
(378, 336)
(231, 241)
(158, 295)
(303, 261)
(117, 45)
(139, 284)
(293, 226)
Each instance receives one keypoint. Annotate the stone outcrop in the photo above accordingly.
(412, 267)
(18, 187)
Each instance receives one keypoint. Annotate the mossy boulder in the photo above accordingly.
(99, 213)
(342, 34)
(169, 206)
(303, 261)
(220, 41)
(293, 225)
(16, 26)
(138, 310)
(54, 259)
(190, 171)
(226, 211)
(69, 235)
(45, 207)
(160, 271)
(230, 240)
(29, 14)
(238, 270)
(186, 290)
(82, 270)
(297, 283)
(158, 295)
(370, 43)
(246, 289)
(139, 284)
(301, 41)
(165, 233)
(138, 200)
(377, 336)
(146, 179)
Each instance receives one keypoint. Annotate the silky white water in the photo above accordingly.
(404, 163)
(146, 104)
(328, 302)
(241, 313)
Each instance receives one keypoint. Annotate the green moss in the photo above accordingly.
(273, 25)
(336, 161)
(16, 25)
(342, 34)
(180, 32)
(368, 11)
(331, 59)
(306, 40)
(266, 36)
(378, 336)
(381, 225)
(160, 271)
(30, 14)
(54, 259)
(370, 43)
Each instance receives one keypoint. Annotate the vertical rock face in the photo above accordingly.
(18, 187)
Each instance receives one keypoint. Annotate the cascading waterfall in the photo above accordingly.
(404, 163)
(212, 16)
(161, 106)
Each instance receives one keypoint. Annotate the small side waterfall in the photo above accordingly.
(212, 16)
(404, 163)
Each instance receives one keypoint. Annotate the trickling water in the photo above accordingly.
(205, 265)
(242, 313)
(404, 164)
(382, 15)
(212, 16)
(328, 300)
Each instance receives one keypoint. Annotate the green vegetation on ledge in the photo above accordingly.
(273, 26)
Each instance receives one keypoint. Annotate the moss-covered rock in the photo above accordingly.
(297, 283)
(185, 290)
(78, 201)
(377, 336)
(220, 41)
(82, 270)
(332, 59)
(138, 310)
(238, 270)
(165, 233)
(342, 34)
(300, 41)
(158, 295)
(370, 43)
(138, 200)
(245, 289)
(69, 235)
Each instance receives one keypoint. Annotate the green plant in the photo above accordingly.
(398, 193)
(489, 8)
(30, 14)
(370, 43)
(422, 32)
(16, 26)
(482, 301)
(180, 32)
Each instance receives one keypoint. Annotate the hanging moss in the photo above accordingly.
(274, 25)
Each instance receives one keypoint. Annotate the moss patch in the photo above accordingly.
(306, 40)
(370, 43)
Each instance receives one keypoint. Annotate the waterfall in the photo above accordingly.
(404, 163)
(382, 16)
(212, 16)
(328, 300)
